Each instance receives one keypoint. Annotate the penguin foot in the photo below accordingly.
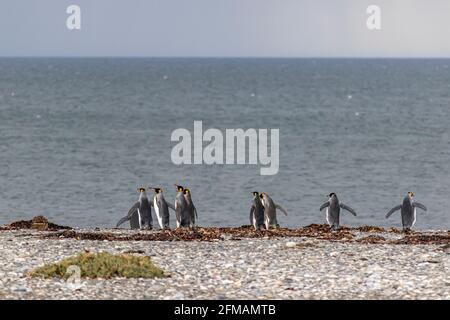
(334, 228)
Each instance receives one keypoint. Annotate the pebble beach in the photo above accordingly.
(237, 264)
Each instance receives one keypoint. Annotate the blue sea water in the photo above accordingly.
(78, 136)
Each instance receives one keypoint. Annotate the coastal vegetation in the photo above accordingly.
(101, 265)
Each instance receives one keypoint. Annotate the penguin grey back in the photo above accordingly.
(408, 210)
(190, 207)
(181, 209)
(270, 211)
(140, 215)
(257, 212)
(134, 221)
(408, 213)
(145, 212)
(333, 211)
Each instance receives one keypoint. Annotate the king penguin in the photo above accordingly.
(408, 211)
(333, 210)
(161, 208)
(140, 214)
(257, 212)
(270, 211)
(191, 208)
(182, 209)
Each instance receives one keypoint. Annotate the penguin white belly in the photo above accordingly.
(178, 218)
(327, 216)
(254, 221)
(158, 216)
(414, 221)
(139, 216)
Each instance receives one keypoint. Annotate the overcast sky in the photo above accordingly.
(259, 28)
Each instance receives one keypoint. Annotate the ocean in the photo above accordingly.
(78, 136)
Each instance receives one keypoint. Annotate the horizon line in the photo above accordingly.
(222, 57)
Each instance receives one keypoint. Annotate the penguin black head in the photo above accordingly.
(186, 191)
(157, 190)
(410, 194)
(332, 194)
(141, 189)
(255, 193)
(179, 188)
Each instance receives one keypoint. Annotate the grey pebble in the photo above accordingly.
(280, 268)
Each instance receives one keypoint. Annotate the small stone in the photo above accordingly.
(291, 244)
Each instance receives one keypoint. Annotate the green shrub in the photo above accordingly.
(102, 265)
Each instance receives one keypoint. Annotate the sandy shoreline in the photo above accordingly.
(295, 264)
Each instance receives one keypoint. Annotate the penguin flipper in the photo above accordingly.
(178, 213)
(393, 210)
(252, 210)
(129, 214)
(121, 221)
(325, 205)
(281, 208)
(195, 211)
(343, 206)
(419, 205)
